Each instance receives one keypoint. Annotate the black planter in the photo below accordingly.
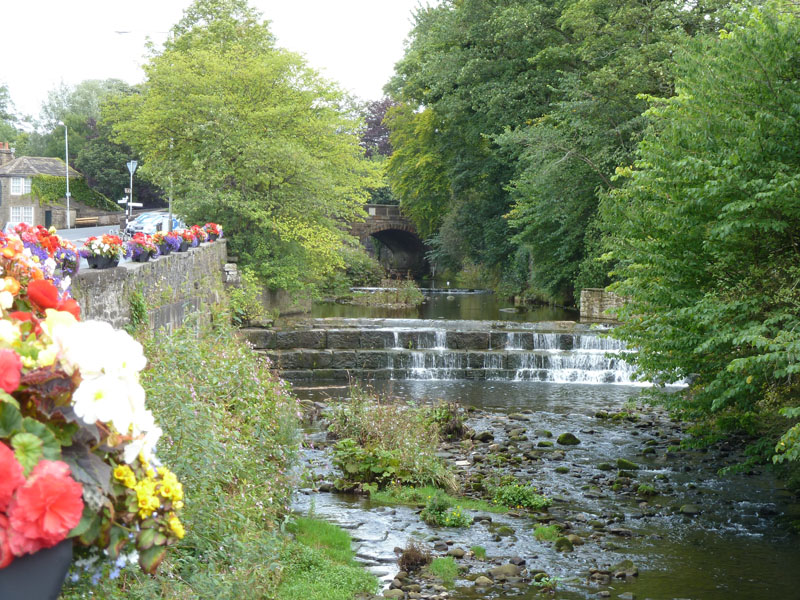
(102, 262)
(184, 247)
(142, 257)
(212, 237)
(164, 249)
(37, 576)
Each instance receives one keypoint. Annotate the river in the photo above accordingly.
(734, 544)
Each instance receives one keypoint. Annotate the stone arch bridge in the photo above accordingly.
(398, 246)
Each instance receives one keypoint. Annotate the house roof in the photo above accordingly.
(28, 166)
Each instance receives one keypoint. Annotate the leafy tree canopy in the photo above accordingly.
(250, 137)
(706, 228)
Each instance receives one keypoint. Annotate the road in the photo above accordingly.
(78, 235)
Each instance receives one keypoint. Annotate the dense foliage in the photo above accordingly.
(252, 138)
(50, 189)
(706, 228)
(523, 109)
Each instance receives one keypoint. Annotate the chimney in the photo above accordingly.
(6, 154)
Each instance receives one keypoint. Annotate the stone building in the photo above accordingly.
(18, 205)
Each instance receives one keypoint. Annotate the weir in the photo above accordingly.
(561, 352)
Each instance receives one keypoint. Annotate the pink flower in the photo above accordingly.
(6, 556)
(10, 369)
(44, 510)
(11, 476)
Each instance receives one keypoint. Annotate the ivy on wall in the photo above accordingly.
(50, 189)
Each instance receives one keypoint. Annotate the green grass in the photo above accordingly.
(419, 496)
(320, 564)
(479, 552)
(445, 568)
(547, 532)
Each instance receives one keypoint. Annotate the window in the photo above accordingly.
(20, 186)
(22, 214)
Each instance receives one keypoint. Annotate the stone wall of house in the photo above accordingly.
(595, 304)
(173, 287)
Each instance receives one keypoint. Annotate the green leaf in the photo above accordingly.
(146, 539)
(10, 419)
(91, 531)
(8, 398)
(118, 539)
(84, 524)
(87, 467)
(51, 449)
(150, 559)
(28, 450)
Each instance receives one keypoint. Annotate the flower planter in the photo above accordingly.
(164, 249)
(184, 247)
(102, 262)
(141, 257)
(212, 237)
(37, 576)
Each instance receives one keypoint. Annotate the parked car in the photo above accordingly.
(150, 222)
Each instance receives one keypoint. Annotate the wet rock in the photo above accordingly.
(396, 584)
(626, 465)
(394, 594)
(620, 531)
(440, 546)
(562, 470)
(563, 545)
(604, 594)
(575, 539)
(690, 510)
(519, 417)
(412, 587)
(626, 596)
(568, 439)
(544, 444)
(517, 560)
(600, 576)
(484, 436)
(505, 571)
(456, 552)
(483, 581)
(543, 433)
(604, 466)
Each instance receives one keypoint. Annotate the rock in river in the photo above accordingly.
(568, 439)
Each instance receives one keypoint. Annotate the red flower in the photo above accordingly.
(43, 294)
(71, 306)
(11, 477)
(6, 556)
(10, 369)
(45, 509)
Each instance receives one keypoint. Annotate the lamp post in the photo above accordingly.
(66, 165)
(132, 164)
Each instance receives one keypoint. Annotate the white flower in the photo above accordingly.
(6, 300)
(95, 348)
(9, 332)
(65, 283)
(112, 399)
(146, 435)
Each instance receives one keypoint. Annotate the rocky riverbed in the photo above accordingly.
(635, 516)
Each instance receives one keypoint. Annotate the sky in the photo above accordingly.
(47, 42)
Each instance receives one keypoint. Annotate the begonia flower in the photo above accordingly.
(45, 509)
(11, 475)
(10, 370)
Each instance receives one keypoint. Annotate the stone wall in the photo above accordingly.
(595, 304)
(173, 287)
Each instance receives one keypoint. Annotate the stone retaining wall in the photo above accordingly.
(173, 287)
(595, 304)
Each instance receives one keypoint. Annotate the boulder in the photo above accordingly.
(568, 439)
(563, 545)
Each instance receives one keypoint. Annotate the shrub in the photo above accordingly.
(244, 301)
(388, 442)
(479, 552)
(547, 533)
(230, 434)
(439, 512)
(515, 495)
(414, 556)
(447, 416)
(445, 568)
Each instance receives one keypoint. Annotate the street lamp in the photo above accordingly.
(132, 164)
(66, 164)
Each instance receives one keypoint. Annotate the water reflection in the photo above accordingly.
(478, 305)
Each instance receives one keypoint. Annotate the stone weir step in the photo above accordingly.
(422, 339)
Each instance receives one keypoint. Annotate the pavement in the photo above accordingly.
(78, 235)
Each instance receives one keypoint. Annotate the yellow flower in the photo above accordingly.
(125, 475)
(177, 527)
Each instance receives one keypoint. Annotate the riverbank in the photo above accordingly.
(231, 436)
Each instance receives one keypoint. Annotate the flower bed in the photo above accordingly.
(77, 442)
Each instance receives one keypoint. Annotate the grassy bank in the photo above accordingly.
(230, 435)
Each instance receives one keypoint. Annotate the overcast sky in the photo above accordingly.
(45, 42)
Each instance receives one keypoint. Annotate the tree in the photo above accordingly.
(252, 138)
(706, 228)
(375, 135)
(8, 121)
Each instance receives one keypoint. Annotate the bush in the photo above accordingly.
(445, 568)
(244, 301)
(230, 435)
(515, 495)
(439, 512)
(413, 557)
(448, 417)
(549, 533)
(384, 442)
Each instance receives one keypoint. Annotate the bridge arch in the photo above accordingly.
(399, 247)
